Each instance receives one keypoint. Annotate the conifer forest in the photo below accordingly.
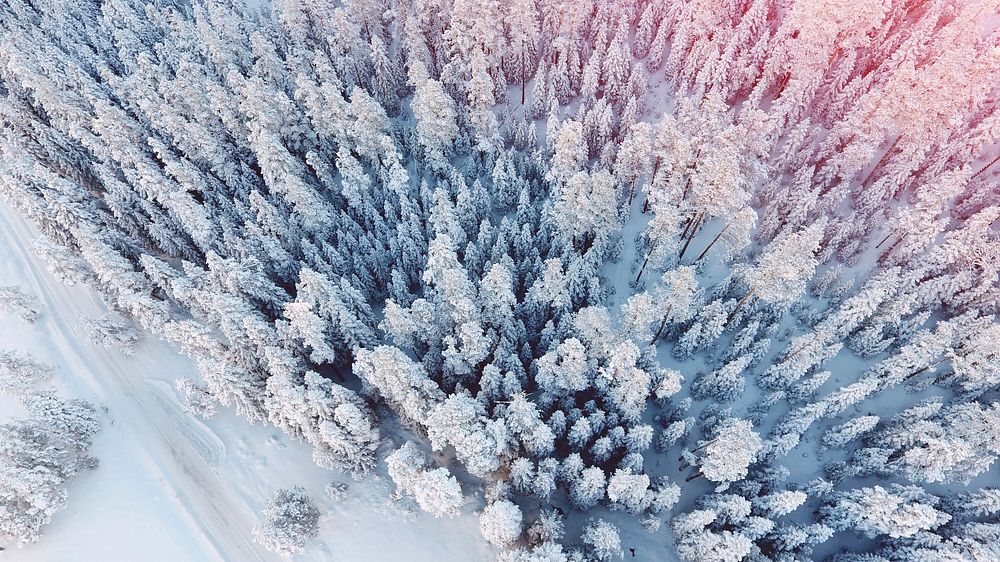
(514, 280)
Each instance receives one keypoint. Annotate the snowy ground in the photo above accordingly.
(171, 488)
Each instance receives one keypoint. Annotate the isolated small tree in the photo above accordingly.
(336, 491)
(290, 519)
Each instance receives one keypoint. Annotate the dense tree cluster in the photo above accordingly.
(623, 257)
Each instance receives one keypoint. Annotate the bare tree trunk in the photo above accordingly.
(687, 182)
(782, 84)
(944, 375)
(687, 225)
(523, 81)
(703, 445)
(712, 243)
(984, 168)
(738, 305)
(896, 456)
(829, 61)
(881, 162)
(923, 370)
(801, 347)
(693, 476)
(663, 324)
(646, 261)
(694, 230)
(643, 268)
(883, 241)
(885, 255)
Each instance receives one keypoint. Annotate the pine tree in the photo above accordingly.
(435, 114)
(399, 381)
(522, 31)
(602, 540)
(587, 488)
(728, 456)
(435, 490)
(460, 421)
(629, 491)
(290, 520)
(781, 272)
(500, 523)
(566, 368)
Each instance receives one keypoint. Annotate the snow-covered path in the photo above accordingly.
(170, 487)
(145, 415)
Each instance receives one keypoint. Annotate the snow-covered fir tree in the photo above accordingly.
(290, 520)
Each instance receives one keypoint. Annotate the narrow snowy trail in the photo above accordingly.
(181, 452)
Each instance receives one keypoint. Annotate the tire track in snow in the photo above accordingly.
(180, 450)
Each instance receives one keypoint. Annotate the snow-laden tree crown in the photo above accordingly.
(731, 267)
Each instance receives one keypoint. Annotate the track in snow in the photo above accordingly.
(181, 451)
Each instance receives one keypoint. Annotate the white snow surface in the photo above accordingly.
(171, 487)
